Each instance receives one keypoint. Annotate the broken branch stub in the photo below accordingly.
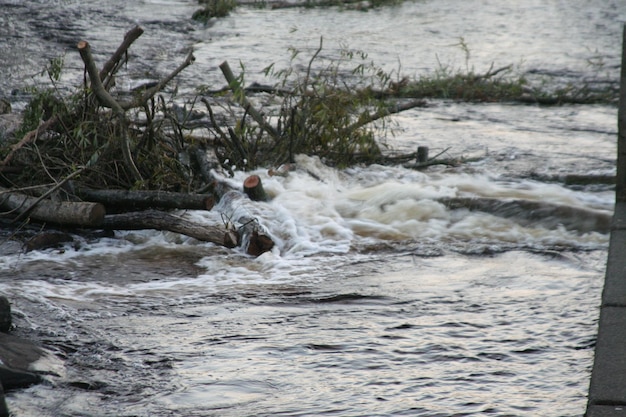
(253, 188)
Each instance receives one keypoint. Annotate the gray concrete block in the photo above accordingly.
(614, 293)
(608, 377)
(619, 216)
(606, 411)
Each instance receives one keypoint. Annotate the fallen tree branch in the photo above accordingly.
(126, 200)
(30, 137)
(149, 93)
(45, 195)
(58, 212)
(536, 212)
(384, 113)
(159, 220)
(492, 72)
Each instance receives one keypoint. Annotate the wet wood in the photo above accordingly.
(422, 154)
(46, 240)
(536, 212)
(243, 101)
(109, 68)
(126, 200)
(239, 211)
(160, 220)
(58, 212)
(259, 243)
(29, 137)
(253, 188)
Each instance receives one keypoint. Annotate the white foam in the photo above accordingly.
(318, 210)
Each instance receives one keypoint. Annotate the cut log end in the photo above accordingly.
(253, 188)
(259, 244)
(231, 239)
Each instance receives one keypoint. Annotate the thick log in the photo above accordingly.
(159, 220)
(259, 243)
(58, 212)
(253, 188)
(239, 210)
(125, 200)
(422, 154)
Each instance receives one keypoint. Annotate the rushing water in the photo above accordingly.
(378, 298)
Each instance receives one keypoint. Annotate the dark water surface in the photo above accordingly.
(378, 299)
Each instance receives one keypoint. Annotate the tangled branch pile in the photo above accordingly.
(113, 141)
(102, 138)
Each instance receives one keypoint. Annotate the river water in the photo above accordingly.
(378, 300)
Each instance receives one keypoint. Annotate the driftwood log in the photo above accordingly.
(239, 213)
(84, 214)
(159, 220)
(127, 200)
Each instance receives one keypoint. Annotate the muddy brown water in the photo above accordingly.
(378, 300)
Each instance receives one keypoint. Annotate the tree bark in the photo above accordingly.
(108, 69)
(237, 208)
(57, 212)
(159, 220)
(125, 200)
(253, 188)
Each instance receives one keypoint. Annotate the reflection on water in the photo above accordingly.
(415, 336)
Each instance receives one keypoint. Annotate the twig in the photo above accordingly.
(308, 69)
(30, 137)
(492, 73)
(159, 86)
(384, 113)
(109, 68)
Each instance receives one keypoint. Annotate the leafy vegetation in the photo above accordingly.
(214, 9)
(79, 140)
(315, 112)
